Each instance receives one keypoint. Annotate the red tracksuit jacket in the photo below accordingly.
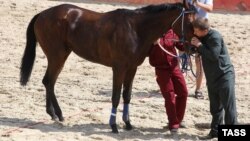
(158, 58)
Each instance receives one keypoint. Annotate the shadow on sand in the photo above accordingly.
(17, 124)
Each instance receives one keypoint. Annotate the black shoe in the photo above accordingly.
(212, 134)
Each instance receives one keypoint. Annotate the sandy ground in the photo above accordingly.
(84, 88)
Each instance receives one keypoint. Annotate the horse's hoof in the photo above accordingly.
(114, 129)
(61, 119)
(54, 118)
(128, 125)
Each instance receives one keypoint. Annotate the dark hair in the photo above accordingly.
(201, 23)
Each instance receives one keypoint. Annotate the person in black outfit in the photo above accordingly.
(219, 73)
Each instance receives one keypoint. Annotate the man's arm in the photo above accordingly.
(207, 7)
(212, 52)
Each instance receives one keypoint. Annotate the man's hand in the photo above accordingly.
(196, 42)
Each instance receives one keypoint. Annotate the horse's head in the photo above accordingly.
(183, 24)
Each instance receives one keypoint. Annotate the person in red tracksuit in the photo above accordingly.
(170, 79)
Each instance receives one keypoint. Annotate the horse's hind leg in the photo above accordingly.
(127, 89)
(55, 65)
(49, 106)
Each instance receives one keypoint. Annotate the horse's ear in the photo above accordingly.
(185, 3)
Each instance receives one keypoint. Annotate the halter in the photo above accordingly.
(182, 15)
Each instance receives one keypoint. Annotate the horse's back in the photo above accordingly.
(98, 37)
(65, 12)
(53, 24)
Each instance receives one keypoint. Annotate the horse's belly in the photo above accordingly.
(93, 57)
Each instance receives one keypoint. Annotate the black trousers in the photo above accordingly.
(222, 101)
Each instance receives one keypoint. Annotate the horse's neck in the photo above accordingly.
(155, 25)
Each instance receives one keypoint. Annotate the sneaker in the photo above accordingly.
(183, 125)
(174, 130)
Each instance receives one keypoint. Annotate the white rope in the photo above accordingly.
(163, 49)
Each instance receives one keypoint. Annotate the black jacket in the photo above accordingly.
(215, 58)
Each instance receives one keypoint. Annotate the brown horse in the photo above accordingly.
(120, 39)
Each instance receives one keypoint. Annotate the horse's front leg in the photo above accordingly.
(118, 76)
(127, 90)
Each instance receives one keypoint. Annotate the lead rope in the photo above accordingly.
(185, 61)
(184, 57)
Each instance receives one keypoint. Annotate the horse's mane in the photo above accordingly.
(150, 9)
(163, 7)
(159, 8)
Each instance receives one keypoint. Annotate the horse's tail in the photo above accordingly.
(29, 53)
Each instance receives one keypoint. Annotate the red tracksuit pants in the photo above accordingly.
(173, 88)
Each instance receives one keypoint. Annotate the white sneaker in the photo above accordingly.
(183, 125)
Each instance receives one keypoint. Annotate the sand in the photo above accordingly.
(83, 88)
